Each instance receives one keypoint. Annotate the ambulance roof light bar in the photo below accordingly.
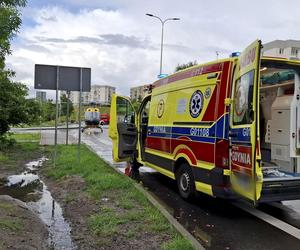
(235, 54)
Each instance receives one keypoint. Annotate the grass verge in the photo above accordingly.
(13, 157)
(126, 212)
(11, 225)
(33, 137)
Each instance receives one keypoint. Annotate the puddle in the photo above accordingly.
(28, 188)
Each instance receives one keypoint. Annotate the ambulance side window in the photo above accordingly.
(125, 112)
(243, 99)
(145, 113)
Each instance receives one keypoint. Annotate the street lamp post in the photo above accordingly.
(162, 35)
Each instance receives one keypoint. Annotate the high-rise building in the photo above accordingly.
(138, 93)
(41, 96)
(100, 94)
(282, 48)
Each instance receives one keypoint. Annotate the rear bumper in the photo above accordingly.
(280, 191)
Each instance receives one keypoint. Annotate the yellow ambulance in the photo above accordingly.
(227, 128)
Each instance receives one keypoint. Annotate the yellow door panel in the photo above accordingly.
(244, 124)
(122, 128)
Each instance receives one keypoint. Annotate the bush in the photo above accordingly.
(6, 142)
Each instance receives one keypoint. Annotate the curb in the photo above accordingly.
(195, 243)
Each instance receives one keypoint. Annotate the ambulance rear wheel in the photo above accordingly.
(185, 182)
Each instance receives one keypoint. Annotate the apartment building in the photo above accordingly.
(41, 96)
(282, 48)
(138, 93)
(100, 94)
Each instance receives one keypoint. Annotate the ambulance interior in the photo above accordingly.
(280, 149)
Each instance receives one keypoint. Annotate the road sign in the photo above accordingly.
(63, 78)
(45, 77)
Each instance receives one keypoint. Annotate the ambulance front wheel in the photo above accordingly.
(185, 182)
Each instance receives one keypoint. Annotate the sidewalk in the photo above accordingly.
(47, 137)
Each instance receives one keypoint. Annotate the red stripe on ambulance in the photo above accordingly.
(189, 154)
(241, 156)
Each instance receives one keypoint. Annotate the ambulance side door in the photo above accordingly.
(122, 128)
(244, 124)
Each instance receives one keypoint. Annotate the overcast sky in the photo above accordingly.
(122, 45)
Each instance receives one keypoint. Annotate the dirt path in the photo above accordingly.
(19, 227)
(77, 207)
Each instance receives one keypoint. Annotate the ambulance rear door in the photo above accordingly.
(246, 177)
(122, 128)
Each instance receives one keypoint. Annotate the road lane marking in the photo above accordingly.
(289, 229)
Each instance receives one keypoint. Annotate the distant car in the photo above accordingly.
(104, 119)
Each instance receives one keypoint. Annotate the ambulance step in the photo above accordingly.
(279, 190)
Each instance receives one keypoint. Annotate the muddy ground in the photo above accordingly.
(77, 207)
(137, 224)
(19, 227)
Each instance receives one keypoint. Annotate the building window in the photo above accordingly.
(294, 51)
(281, 51)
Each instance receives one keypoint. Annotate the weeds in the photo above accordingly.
(127, 212)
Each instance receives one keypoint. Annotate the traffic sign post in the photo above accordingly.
(67, 118)
(79, 118)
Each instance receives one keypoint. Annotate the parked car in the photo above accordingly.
(104, 119)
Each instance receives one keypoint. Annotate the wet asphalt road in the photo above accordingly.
(217, 224)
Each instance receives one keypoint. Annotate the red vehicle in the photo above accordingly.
(104, 119)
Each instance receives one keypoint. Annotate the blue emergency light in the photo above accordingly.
(162, 76)
(235, 54)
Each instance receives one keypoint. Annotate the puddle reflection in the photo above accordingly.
(29, 188)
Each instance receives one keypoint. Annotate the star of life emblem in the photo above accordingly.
(196, 103)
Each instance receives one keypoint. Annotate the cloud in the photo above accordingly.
(108, 39)
(122, 45)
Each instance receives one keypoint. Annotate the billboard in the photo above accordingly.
(46, 77)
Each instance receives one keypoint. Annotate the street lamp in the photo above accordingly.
(162, 35)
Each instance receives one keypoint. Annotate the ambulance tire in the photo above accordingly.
(185, 182)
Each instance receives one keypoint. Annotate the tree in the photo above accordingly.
(10, 22)
(33, 111)
(185, 65)
(64, 101)
(13, 105)
(136, 104)
(48, 110)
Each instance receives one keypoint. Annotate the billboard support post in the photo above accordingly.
(67, 118)
(56, 116)
(79, 114)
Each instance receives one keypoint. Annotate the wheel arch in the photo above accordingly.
(179, 161)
